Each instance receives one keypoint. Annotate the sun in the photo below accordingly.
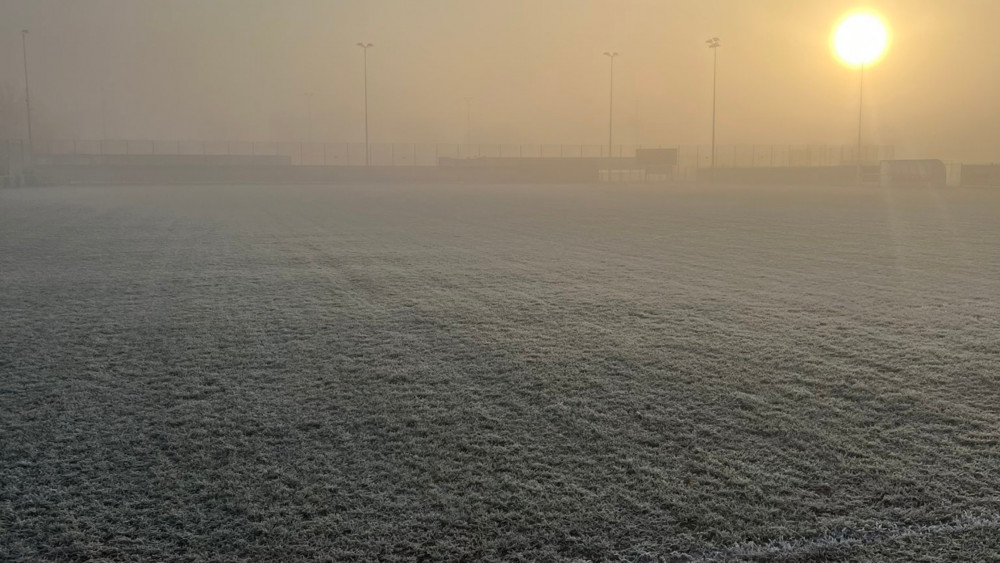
(860, 39)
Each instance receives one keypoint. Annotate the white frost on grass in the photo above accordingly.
(494, 372)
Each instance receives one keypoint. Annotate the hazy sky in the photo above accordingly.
(239, 69)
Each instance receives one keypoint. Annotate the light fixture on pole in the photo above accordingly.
(611, 101)
(714, 45)
(368, 153)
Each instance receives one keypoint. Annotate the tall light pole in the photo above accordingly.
(611, 102)
(27, 91)
(368, 153)
(860, 40)
(104, 115)
(861, 105)
(714, 44)
(468, 121)
(309, 116)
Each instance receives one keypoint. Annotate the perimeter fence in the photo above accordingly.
(431, 154)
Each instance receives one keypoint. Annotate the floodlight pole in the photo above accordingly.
(861, 97)
(27, 92)
(309, 118)
(368, 153)
(714, 44)
(104, 115)
(611, 105)
(468, 121)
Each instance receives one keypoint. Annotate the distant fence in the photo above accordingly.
(425, 154)
(13, 160)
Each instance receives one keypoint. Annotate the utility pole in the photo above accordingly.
(714, 44)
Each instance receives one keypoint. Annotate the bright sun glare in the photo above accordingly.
(860, 39)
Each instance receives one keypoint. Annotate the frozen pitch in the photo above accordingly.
(499, 373)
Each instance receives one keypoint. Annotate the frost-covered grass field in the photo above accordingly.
(499, 373)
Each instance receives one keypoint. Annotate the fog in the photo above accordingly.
(533, 72)
(376, 280)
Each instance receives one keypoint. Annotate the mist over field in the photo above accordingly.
(481, 280)
(263, 70)
(498, 372)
